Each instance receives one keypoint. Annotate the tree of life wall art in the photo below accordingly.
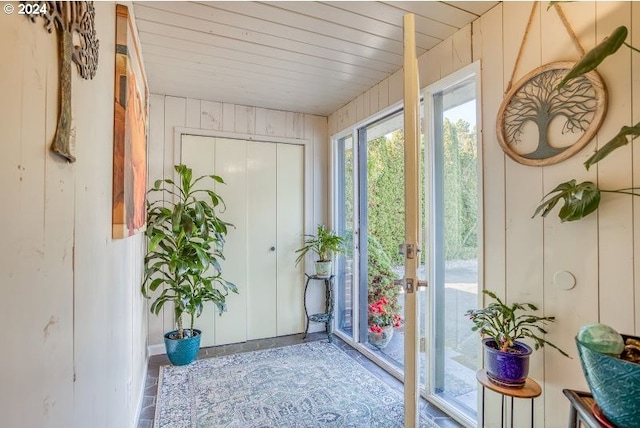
(539, 125)
(130, 131)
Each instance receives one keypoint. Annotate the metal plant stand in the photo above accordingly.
(327, 316)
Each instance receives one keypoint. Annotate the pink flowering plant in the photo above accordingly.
(505, 323)
(381, 315)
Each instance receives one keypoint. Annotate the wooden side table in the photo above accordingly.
(530, 390)
(327, 316)
(581, 411)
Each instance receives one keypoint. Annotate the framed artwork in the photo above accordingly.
(539, 125)
(130, 131)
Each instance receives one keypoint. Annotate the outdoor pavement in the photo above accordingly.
(461, 357)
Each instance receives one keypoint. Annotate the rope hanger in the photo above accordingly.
(567, 27)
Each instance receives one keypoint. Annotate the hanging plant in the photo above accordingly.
(582, 199)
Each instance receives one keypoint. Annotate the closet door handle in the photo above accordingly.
(272, 249)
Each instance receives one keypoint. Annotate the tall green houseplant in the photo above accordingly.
(185, 245)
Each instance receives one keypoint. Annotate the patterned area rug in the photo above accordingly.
(308, 385)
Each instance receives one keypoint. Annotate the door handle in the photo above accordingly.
(272, 249)
(407, 284)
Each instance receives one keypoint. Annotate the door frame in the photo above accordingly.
(308, 188)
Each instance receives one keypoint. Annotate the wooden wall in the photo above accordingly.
(217, 118)
(521, 254)
(73, 352)
(445, 58)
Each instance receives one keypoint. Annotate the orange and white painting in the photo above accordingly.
(130, 131)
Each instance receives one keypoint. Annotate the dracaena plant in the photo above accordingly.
(185, 246)
(580, 200)
(508, 323)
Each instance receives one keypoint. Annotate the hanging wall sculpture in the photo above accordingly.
(73, 21)
(539, 125)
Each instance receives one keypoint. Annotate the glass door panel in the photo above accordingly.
(454, 349)
(345, 267)
(369, 195)
(383, 228)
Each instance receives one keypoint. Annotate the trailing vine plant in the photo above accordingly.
(581, 199)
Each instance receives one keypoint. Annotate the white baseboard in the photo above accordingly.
(142, 389)
(316, 327)
(156, 349)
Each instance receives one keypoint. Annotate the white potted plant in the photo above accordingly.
(324, 244)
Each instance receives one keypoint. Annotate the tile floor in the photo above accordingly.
(149, 400)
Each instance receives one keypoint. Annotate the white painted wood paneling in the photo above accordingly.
(211, 115)
(193, 118)
(615, 231)
(70, 293)
(524, 278)
(430, 27)
(245, 120)
(461, 52)
(383, 94)
(289, 227)
(228, 117)
(395, 87)
(560, 240)
(310, 57)
(35, 304)
(494, 236)
(155, 171)
(635, 107)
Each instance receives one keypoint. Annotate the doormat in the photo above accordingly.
(307, 385)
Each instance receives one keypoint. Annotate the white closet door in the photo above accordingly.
(198, 153)
(231, 165)
(261, 233)
(264, 194)
(290, 226)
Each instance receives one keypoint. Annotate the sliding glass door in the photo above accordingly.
(369, 211)
(382, 230)
(369, 201)
(453, 351)
(345, 193)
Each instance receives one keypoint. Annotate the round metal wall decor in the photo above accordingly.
(540, 125)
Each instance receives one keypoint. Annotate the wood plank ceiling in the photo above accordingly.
(306, 56)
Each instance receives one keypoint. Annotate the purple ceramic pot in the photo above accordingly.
(508, 369)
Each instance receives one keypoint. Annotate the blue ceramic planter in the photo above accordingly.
(615, 385)
(182, 351)
(508, 369)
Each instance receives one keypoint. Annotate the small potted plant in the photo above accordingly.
(506, 358)
(382, 321)
(186, 240)
(324, 244)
